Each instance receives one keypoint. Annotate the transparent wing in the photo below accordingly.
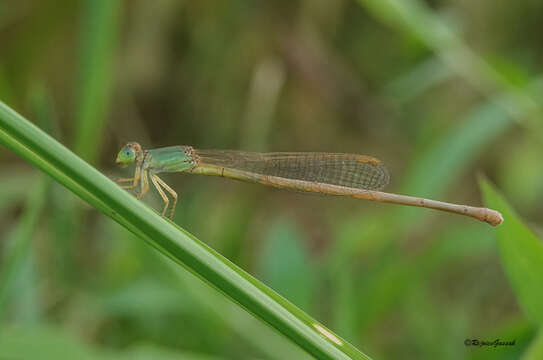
(349, 170)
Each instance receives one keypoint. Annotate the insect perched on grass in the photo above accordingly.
(357, 176)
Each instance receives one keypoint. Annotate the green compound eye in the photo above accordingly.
(126, 156)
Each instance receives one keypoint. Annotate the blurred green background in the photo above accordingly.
(441, 91)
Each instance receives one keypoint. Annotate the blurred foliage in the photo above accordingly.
(439, 90)
(522, 256)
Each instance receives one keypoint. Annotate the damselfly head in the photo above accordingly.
(128, 154)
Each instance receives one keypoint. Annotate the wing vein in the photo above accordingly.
(349, 170)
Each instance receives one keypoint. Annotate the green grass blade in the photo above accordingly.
(92, 186)
(521, 252)
(98, 42)
(417, 19)
(52, 343)
(20, 241)
(535, 351)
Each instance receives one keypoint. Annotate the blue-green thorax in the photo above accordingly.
(169, 159)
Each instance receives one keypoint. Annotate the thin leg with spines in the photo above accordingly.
(170, 190)
(161, 192)
(134, 180)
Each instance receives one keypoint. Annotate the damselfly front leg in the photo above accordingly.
(144, 185)
(133, 180)
(140, 178)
